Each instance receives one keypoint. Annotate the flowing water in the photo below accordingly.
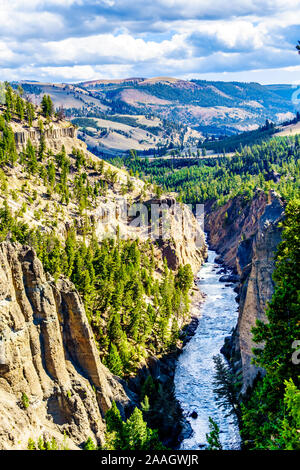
(195, 368)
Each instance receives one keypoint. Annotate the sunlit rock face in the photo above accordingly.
(47, 352)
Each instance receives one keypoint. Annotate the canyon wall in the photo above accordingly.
(48, 354)
(228, 224)
(247, 237)
(52, 382)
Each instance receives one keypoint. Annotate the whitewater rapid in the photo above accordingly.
(195, 368)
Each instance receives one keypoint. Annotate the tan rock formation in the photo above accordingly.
(55, 135)
(178, 234)
(47, 349)
(47, 352)
(227, 224)
(183, 242)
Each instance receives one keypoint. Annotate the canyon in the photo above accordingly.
(52, 381)
(246, 236)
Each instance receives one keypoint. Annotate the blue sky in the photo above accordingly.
(75, 40)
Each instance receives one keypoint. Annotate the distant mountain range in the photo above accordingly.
(206, 107)
(229, 105)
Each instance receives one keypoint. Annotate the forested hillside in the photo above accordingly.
(271, 165)
(208, 107)
(134, 302)
(269, 410)
(198, 103)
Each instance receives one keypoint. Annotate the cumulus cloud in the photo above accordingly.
(74, 40)
(233, 36)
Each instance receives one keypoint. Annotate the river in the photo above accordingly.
(195, 368)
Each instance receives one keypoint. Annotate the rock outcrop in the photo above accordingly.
(228, 224)
(178, 233)
(48, 355)
(55, 134)
(257, 285)
(251, 239)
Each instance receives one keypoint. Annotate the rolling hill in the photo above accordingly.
(148, 113)
(231, 106)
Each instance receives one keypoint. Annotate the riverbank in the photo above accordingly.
(197, 300)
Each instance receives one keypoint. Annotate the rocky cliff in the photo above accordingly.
(255, 263)
(182, 241)
(51, 379)
(48, 355)
(54, 134)
(247, 241)
(228, 224)
(179, 236)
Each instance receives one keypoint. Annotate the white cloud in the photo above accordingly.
(106, 46)
(80, 39)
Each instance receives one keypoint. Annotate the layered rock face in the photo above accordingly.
(47, 350)
(176, 234)
(54, 135)
(48, 354)
(257, 286)
(252, 255)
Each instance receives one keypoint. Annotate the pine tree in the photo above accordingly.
(32, 163)
(213, 438)
(31, 444)
(113, 361)
(114, 329)
(114, 439)
(41, 443)
(20, 107)
(30, 113)
(42, 146)
(113, 419)
(288, 436)
(80, 160)
(51, 174)
(224, 387)
(47, 106)
(70, 249)
(135, 431)
(145, 404)
(148, 388)
(184, 277)
(89, 444)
